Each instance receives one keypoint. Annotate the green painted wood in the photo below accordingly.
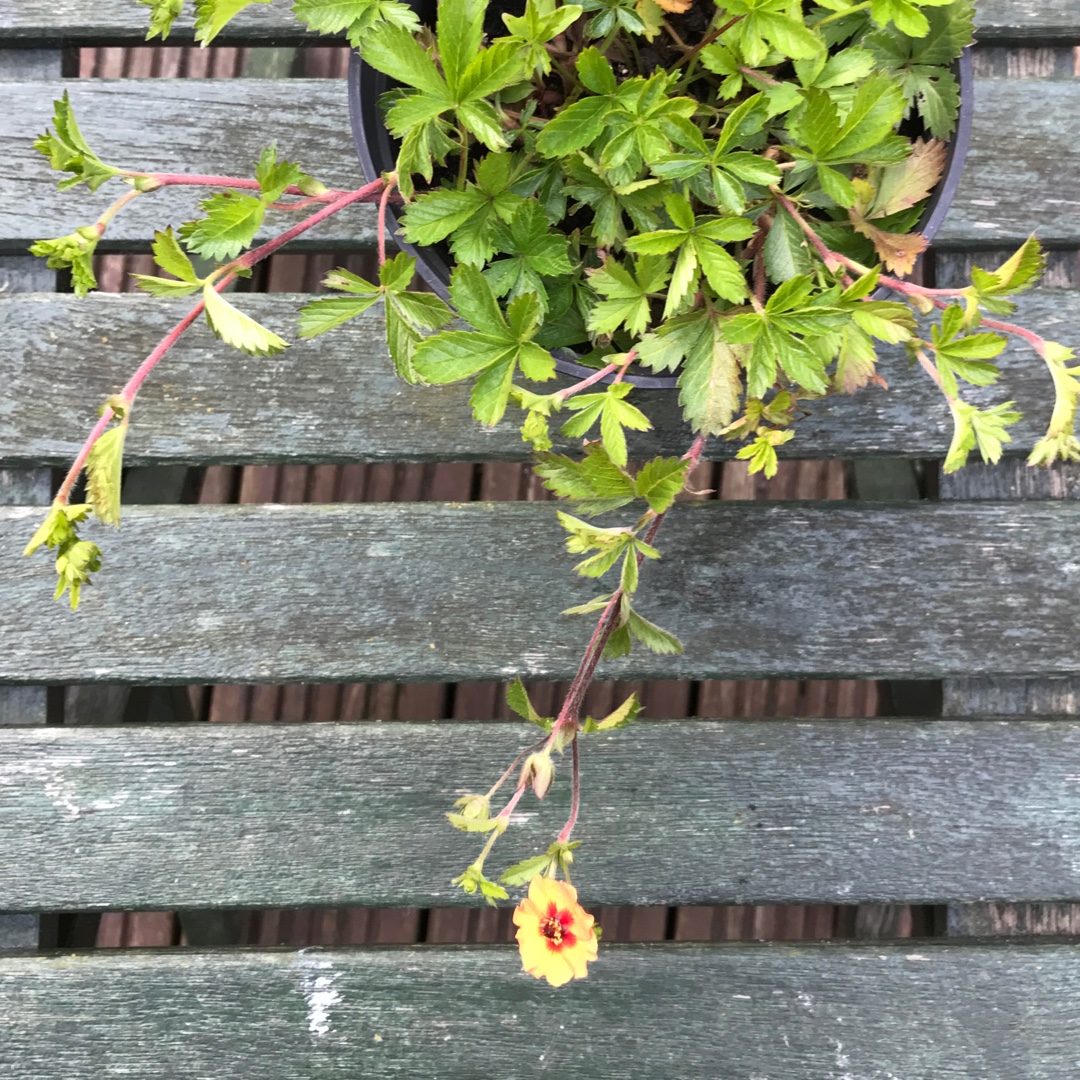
(1016, 183)
(473, 591)
(695, 1011)
(337, 399)
(674, 812)
(120, 22)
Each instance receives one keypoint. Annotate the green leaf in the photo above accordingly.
(786, 249)
(211, 16)
(356, 17)
(595, 484)
(984, 428)
(73, 252)
(475, 302)
(103, 473)
(625, 714)
(575, 127)
(68, 151)
(660, 480)
(395, 52)
(231, 222)
(457, 354)
(517, 697)
(318, 316)
(76, 559)
(595, 72)
(627, 294)
(460, 30)
(490, 70)
(163, 13)
(473, 879)
(652, 636)
(237, 329)
(171, 257)
(474, 824)
(275, 176)
(523, 872)
(434, 215)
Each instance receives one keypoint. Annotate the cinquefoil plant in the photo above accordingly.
(717, 190)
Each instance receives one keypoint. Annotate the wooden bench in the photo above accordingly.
(979, 590)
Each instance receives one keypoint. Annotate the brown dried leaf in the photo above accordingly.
(898, 251)
(898, 187)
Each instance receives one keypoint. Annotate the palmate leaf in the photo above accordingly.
(626, 293)
(613, 412)
(596, 484)
(407, 314)
(494, 353)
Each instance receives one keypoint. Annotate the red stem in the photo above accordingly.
(244, 262)
(575, 798)
(568, 715)
(383, 200)
(244, 183)
(570, 391)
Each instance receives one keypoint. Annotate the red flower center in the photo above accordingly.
(556, 927)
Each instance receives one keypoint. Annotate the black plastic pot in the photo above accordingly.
(377, 151)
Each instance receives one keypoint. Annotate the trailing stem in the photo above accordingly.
(570, 712)
(221, 279)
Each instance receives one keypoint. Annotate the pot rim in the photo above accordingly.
(372, 138)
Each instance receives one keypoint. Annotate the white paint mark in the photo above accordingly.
(984, 202)
(742, 997)
(317, 986)
(985, 225)
(805, 1000)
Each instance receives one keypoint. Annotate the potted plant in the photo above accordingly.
(722, 197)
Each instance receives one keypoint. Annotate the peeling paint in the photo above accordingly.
(317, 986)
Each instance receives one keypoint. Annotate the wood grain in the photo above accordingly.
(337, 399)
(695, 1011)
(119, 22)
(675, 812)
(1017, 179)
(473, 591)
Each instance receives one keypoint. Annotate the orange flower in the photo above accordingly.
(555, 934)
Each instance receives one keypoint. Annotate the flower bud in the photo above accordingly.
(538, 772)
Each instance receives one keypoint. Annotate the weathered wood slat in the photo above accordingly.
(696, 1011)
(119, 22)
(212, 126)
(1025, 21)
(1015, 183)
(674, 812)
(473, 591)
(337, 399)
